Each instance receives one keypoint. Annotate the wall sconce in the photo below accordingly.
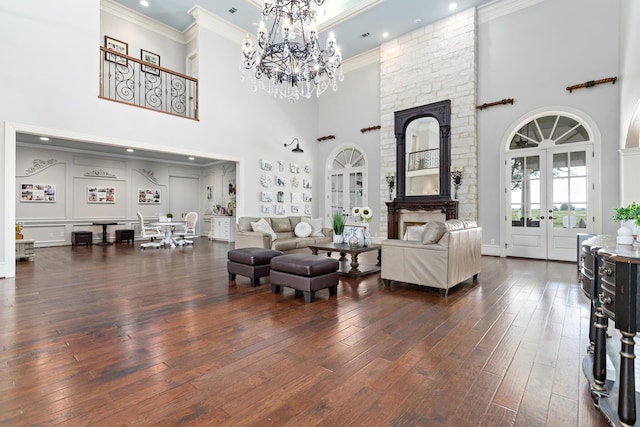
(391, 182)
(297, 149)
(456, 176)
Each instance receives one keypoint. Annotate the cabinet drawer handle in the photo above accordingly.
(604, 299)
(606, 271)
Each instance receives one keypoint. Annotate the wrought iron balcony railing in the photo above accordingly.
(131, 81)
(426, 159)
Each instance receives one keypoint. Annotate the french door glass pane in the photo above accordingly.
(569, 190)
(337, 192)
(355, 189)
(525, 191)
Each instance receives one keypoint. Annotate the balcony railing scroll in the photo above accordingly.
(425, 159)
(131, 81)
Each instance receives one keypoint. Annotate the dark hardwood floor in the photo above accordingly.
(114, 335)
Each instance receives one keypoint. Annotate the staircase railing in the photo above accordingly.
(131, 81)
(426, 159)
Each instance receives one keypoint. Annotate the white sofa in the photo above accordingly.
(454, 258)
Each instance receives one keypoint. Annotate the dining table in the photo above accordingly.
(168, 231)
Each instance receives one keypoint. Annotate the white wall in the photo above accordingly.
(344, 113)
(532, 55)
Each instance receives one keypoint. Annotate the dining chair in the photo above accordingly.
(189, 229)
(149, 232)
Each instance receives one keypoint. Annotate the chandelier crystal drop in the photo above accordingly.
(288, 62)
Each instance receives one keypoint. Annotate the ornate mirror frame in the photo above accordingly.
(441, 111)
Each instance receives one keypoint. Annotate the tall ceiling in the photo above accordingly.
(350, 20)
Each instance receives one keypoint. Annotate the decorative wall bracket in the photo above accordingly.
(493, 104)
(324, 138)
(147, 174)
(370, 128)
(100, 173)
(40, 165)
(592, 83)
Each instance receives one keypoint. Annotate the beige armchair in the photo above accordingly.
(443, 264)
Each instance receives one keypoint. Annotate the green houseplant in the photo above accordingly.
(630, 212)
(337, 222)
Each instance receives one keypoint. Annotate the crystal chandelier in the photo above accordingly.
(292, 65)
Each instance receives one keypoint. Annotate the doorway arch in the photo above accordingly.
(551, 162)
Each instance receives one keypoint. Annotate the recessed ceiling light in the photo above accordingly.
(44, 138)
(417, 21)
(192, 158)
(385, 35)
(453, 6)
(144, 3)
(130, 150)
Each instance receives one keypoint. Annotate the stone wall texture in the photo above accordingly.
(431, 64)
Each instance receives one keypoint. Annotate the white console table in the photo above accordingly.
(24, 249)
(223, 228)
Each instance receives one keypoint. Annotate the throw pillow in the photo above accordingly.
(263, 226)
(316, 226)
(414, 232)
(434, 232)
(281, 225)
(303, 229)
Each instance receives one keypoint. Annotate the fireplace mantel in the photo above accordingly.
(447, 206)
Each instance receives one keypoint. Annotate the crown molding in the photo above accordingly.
(211, 22)
(498, 8)
(138, 19)
(366, 58)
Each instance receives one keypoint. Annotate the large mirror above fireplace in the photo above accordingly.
(423, 163)
(423, 151)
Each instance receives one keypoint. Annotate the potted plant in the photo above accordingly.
(629, 217)
(337, 222)
(170, 216)
(19, 235)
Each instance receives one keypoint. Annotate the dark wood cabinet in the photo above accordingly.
(612, 274)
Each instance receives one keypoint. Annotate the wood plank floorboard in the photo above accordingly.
(116, 335)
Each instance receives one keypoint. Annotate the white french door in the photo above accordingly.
(550, 189)
(549, 204)
(346, 183)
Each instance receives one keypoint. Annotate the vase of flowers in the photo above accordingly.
(19, 228)
(364, 215)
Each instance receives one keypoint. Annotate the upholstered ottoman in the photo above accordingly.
(253, 263)
(305, 273)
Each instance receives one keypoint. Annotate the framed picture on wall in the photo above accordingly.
(148, 197)
(152, 59)
(101, 194)
(38, 193)
(117, 46)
